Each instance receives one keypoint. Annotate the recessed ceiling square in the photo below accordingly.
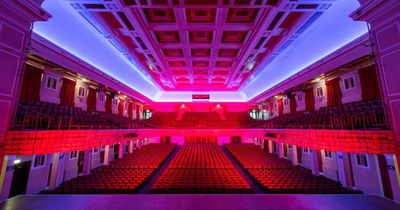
(241, 15)
(160, 15)
(200, 15)
(200, 36)
(234, 36)
(167, 36)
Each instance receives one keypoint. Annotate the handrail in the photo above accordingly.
(33, 120)
(27, 118)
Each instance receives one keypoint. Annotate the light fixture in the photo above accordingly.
(17, 161)
(218, 106)
(183, 106)
(84, 80)
(276, 96)
(150, 67)
(250, 66)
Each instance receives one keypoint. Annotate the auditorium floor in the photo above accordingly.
(220, 202)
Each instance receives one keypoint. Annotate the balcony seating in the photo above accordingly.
(350, 116)
(50, 116)
(200, 168)
(123, 175)
(279, 175)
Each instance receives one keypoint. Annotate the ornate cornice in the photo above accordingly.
(323, 65)
(27, 9)
(373, 9)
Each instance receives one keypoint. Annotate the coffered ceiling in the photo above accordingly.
(201, 45)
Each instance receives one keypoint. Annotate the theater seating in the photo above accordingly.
(162, 119)
(50, 116)
(106, 180)
(124, 175)
(200, 120)
(277, 175)
(350, 116)
(200, 168)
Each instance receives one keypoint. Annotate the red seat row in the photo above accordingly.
(250, 156)
(51, 116)
(280, 176)
(150, 156)
(125, 175)
(201, 168)
(355, 115)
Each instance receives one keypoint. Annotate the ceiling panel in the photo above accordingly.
(201, 45)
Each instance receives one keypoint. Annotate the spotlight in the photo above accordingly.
(276, 96)
(183, 106)
(17, 161)
(84, 80)
(218, 106)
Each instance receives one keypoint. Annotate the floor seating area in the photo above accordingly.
(277, 175)
(355, 115)
(51, 116)
(125, 175)
(201, 168)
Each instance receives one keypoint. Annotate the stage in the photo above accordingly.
(199, 201)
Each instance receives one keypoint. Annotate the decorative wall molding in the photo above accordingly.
(30, 11)
(373, 9)
(52, 52)
(355, 49)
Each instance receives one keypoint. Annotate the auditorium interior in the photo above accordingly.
(200, 104)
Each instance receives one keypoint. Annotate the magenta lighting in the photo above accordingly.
(207, 104)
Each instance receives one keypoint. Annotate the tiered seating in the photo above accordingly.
(124, 175)
(200, 155)
(162, 119)
(279, 175)
(150, 156)
(50, 116)
(241, 118)
(356, 115)
(200, 168)
(107, 180)
(295, 180)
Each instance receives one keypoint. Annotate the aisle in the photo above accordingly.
(147, 186)
(256, 187)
